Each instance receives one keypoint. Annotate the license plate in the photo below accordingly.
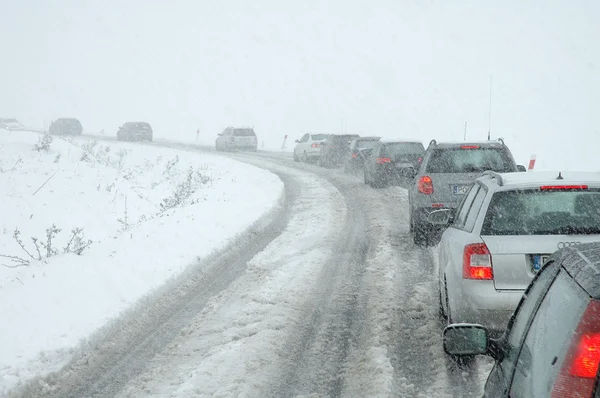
(460, 189)
(538, 261)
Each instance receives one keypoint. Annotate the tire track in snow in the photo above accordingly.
(120, 352)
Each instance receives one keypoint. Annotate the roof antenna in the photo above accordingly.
(490, 112)
(560, 177)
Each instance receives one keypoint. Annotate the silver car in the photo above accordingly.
(446, 173)
(502, 233)
(234, 138)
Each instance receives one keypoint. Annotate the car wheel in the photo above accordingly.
(305, 158)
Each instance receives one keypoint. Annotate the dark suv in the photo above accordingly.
(135, 131)
(446, 174)
(392, 162)
(66, 126)
(552, 345)
(335, 149)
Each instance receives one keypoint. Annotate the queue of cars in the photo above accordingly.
(519, 258)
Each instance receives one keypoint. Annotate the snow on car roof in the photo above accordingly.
(532, 178)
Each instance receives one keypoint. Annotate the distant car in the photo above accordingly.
(552, 345)
(66, 126)
(135, 131)
(445, 176)
(504, 230)
(392, 162)
(237, 138)
(11, 124)
(308, 148)
(335, 149)
(358, 149)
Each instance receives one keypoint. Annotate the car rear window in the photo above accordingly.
(458, 160)
(366, 144)
(538, 212)
(404, 148)
(244, 133)
(319, 137)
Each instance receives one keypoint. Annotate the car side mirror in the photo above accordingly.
(466, 339)
(297, 141)
(521, 168)
(440, 217)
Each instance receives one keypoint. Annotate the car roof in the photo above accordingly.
(536, 178)
(582, 262)
(367, 138)
(457, 144)
(399, 141)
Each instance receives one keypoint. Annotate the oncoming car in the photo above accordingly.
(552, 345)
(234, 138)
(11, 124)
(504, 230)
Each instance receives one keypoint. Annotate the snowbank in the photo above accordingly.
(146, 212)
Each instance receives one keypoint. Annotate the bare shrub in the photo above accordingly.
(43, 143)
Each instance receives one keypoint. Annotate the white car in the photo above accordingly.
(233, 139)
(504, 230)
(308, 148)
(11, 124)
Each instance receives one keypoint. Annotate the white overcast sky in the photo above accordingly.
(402, 68)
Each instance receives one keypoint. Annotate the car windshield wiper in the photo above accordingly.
(568, 230)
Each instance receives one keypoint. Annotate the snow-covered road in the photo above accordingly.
(330, 299)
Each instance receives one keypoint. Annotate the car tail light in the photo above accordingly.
(563, 187)
(420, 159)
(469, 146)
(425, 185)
(477, 262)
(383, 160)
(577, 377)
(315, 145)
(354, 155)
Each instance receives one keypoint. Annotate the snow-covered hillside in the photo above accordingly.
(112, 222)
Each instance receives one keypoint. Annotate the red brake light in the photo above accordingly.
(477, 262)
(563, 187)
(314, 145)
(420, 159)
(425, 185)
(469, 146)
(354, 155)
(383, 160)
(577, 376)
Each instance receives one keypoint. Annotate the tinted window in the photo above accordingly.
(456, 160)
(319, 137)
(548, 338)
(404, 148)
(366, 144)
(244, 133)
(528, 305)
(536, 212)
(463, 210)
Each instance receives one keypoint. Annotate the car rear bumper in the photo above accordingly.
(479, 302)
